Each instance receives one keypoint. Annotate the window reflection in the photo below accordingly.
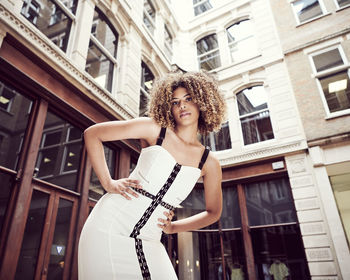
(60, 240)
(147, 78)
(168, 42)
(218, 141)
(270, 202)
(208, 53)
(6, 189)
(51, 19)
(32, 236)
(95, 189)
(149, 15)
(307, 9)
(254, 115)
(201, 6)
(15, 109)
(241, 40)
(59, 153)
(100, 63)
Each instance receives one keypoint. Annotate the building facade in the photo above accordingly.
(315, 38)
(68, 64)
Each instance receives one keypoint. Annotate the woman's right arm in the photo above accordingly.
(140, 128)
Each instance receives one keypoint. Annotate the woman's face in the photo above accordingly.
(183, 109)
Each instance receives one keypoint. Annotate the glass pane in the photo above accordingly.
(235, 264)
(218, 141)
(341, 188)
(210, 61)
(279, 253)
(60, 240)
(230, 217)
(257, 128)
(307, 9)
(50, 19)
(6, 188)
(102, 30)
(327, 60)
(336, 89)
(14, 114)
(99, 67)
(202, 7)
(148, 7)
(32, 236)
(251, 99)
(209, 251)
(95, 188)
(343, 3)
(192, 205)
(60, 152)
(270, 202)
(206, 44)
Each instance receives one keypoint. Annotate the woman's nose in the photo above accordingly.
(182, 104)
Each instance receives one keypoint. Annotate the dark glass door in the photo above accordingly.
(47, 243)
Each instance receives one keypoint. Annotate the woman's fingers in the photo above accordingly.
(133, 183)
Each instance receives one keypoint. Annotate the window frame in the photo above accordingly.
(340, 8)
(321, 4)
(93, 39)
(168, 46)
(149, 17)
(267, 109)
(200, 3)
(317, 75)
(199, 56)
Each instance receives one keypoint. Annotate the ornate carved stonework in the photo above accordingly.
(264, 152)
(48, 50)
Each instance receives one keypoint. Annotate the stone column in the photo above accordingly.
(313, 225)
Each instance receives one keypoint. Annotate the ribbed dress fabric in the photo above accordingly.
(120, 239)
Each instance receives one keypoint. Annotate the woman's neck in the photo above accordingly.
(187, 134)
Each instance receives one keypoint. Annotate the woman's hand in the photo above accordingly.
(123, 187)
(166, 223)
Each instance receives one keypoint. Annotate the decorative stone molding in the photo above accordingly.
(49, 51)
(263, 152)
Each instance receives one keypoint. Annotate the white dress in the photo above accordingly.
(120, 239)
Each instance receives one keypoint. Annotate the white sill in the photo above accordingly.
(261, 144)
(232, 64)
(342, 8)
(337, 114)
(310, 20)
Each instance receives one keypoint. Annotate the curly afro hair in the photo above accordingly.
(202, 87)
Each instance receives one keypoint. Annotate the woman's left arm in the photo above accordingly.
(212, 176)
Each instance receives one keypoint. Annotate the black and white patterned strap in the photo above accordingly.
(153, 197)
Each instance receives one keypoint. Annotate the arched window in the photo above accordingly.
(101, 60)
(208, 52)
(241, 40)
(146, 84)
(254, 115)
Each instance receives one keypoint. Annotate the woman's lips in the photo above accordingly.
(184, 114)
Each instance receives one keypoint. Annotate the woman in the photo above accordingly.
(121, 237)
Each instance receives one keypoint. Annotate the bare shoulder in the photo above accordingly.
(212, 167)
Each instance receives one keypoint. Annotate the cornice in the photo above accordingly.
(41, 45)
(263, 153)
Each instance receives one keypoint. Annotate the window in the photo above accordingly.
(53, 18)
(334, 85)
(342, 3)
(218, 141)
(149, 15)
(59, 153)
(306, 10)
(201, 6)
(254, 115)
(95, 189)
(208, 53)
(168, 42)
(101, 60)
(241, 41)
(146, 84)
(271, 243)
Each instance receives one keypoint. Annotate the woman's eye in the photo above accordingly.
(174, 103)
(189, 99)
